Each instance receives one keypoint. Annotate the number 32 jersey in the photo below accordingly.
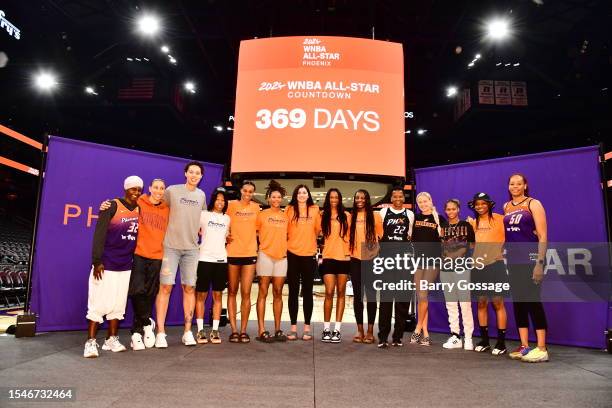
(121, 238)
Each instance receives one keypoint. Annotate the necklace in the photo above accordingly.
(517, 204)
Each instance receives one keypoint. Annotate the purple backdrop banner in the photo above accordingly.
(567, 182)
(79, 175)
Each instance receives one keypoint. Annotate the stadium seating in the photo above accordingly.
(14, 242)
(14, 255)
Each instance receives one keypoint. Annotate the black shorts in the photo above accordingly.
(242, 260)
(211, 272)
(494, 273)
(334, 267)
(144, 278)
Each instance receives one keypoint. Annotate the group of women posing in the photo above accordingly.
(522, 227)
(286, 251)
(288, 244)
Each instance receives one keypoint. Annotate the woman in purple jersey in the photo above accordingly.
(525, 222)
(111, 264)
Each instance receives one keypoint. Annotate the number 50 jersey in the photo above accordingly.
(520, 227)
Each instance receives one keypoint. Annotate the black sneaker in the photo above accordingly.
(326, 337)
(336, 337)
(482, 346)
(397, 343)
(383, 344)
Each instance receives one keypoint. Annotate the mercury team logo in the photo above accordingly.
(276, 221)
(186, 201)
(213, 224)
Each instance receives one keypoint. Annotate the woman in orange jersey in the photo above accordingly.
(241, 258)
(304, 226)
(336, 261)
(272, 261)
(144, 280)
(364, 232)
(489, 231)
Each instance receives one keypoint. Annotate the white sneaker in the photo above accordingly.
(136, 342)
(468, 344)
(113, 344)
(91, 349)
(149, 334)
(188, 339)
(453, 342)
(160, 340)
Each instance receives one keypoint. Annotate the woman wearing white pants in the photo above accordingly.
(457, 238)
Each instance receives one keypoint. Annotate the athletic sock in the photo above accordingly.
(215, 325)
(501, 336)
(326, 325)
(484, 333)
(337, 326)
(200, 323)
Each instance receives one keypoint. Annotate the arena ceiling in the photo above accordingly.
(562, 47)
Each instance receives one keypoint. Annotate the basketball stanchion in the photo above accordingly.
(26, 322)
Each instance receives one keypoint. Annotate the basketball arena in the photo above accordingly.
(305, 203)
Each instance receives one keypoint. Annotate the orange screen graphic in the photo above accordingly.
(319, 104)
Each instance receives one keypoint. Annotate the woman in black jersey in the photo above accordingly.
(426, 238)
(397, 228)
